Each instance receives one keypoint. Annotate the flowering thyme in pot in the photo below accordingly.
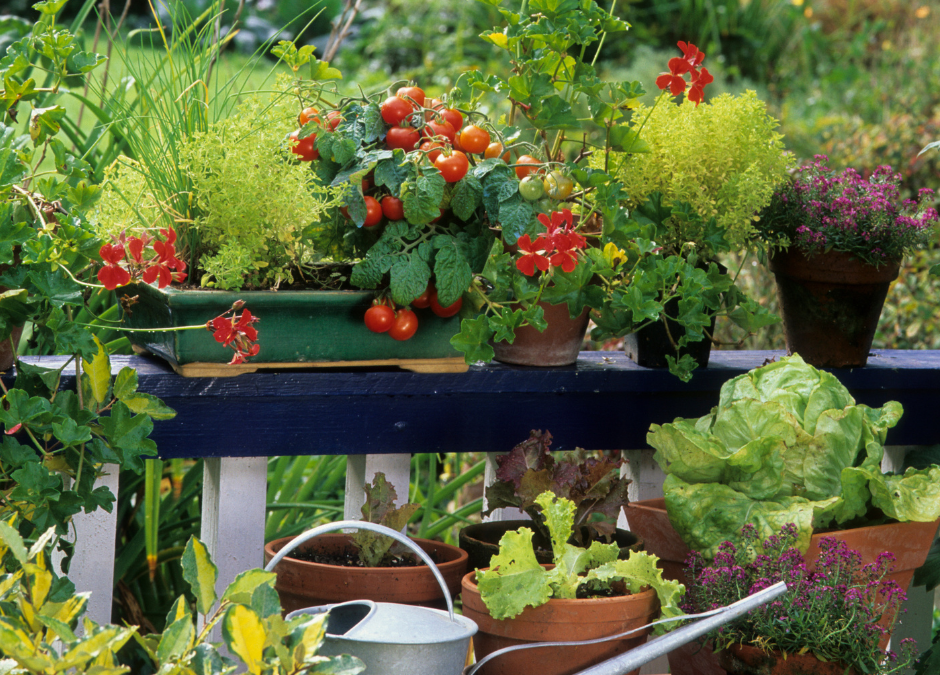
(821, 210)
(839, 612)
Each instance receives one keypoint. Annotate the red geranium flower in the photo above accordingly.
(691, 55)
(112, 274)
(239, 334)
(533, 254)
(697, 90)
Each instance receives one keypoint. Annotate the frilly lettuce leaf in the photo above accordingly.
(913, 496)
(638, 572)
(515, 579)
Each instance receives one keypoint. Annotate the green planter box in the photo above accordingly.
(295, 329)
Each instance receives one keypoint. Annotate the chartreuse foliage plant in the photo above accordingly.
(723, 158)
(38, 624)
(515, 579)
(786, 443)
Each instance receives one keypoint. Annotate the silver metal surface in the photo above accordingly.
(372, 527)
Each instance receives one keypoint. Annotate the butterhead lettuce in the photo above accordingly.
(787, 443)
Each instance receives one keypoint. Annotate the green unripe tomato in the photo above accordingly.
(531, 188)
(558, 185)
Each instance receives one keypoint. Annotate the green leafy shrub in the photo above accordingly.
(723, 158)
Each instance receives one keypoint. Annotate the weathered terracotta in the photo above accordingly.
(748, 660)
(557, 621)
(306, 584)
(558, 345)
(830, 305)
(909, 542)
(481, 542)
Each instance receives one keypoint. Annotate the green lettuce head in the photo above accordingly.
(786, 444)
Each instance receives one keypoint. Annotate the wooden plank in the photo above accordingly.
(444, 365)
(604, 402)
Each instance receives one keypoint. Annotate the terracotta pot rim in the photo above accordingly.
(794, 263)
(460, 556)
(468, 582)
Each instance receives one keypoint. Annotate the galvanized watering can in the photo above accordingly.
(391, 639)
(394, 639)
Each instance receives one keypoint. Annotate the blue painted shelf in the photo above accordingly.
(605, 401)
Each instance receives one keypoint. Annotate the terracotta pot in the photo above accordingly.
(481, 542)
(650, 346)
(748, 660)
(909, 542)
(303, 584)
(830, 305)
(557, 621)
(558, 345)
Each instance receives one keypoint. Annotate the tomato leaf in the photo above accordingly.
(391, 173)
(514, 214)
(466, 197)
(421, 198)
(409, 277)
(452, 273)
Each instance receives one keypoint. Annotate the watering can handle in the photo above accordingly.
(372, 527)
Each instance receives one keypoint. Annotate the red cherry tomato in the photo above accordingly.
(450, 310)
(526, 165)
(395, 110)
(435, 129)
(392, 208)
(379, 318)
(305, 148)
(373, 212)
(453, 167)
(405, 325)
(433, 149)
(441, 215)
(424, 300)
(494, 150)
(307, 115)
(454, 117)
(475, 140)
(404, 138)
(333, 118)
(416, 93)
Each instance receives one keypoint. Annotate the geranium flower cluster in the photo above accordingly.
(688, 64)
(824, 210)
(558, 246)
(124, 261)
(839, 610)
(238, 332)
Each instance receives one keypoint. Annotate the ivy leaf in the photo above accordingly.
(97, 374)
(473, 340)
(84, 62)
(409, 277)
(452, 273)
(83, 195)
(129, 434)
(11, 168)
(147, 404)
(321, 71)
(467, 196)
(44, 122)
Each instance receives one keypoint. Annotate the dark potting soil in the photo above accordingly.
(616, 589)
(350, 558)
